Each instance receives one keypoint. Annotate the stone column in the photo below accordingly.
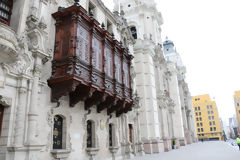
(33, 114)
(20, 113)
(164, 126)
(140, 143)
(161, 121)
(192, 127)
(145, 85)
(172, 128)
(183, 102)
(128, 147)
(175, 96)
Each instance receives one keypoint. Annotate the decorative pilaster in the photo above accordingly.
(128, 147)
(33, 114)
(140, 148)
(175, 96)
(20, 113)
(171, 112)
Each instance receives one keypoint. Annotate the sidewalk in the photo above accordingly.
(198, 151)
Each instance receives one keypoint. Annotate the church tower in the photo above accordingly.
(143, 18)
(145, 24)
(171, 53)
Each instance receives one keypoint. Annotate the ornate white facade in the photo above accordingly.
(166, 114)
(163, 114)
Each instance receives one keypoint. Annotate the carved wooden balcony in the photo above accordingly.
(89, 64)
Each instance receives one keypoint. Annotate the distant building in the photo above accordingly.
(237, 107)
(233, 125)
(208, 125)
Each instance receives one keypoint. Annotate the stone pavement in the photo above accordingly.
(198, 151)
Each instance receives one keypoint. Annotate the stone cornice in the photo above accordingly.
(145, 47)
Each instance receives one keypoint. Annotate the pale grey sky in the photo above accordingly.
(206, 33)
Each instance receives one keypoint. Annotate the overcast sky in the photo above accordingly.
(206, 33)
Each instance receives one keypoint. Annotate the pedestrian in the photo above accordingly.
(238, 141)
(202, 140)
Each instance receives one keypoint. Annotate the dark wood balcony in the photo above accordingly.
(89, 64)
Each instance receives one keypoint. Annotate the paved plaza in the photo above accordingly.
(199, 151)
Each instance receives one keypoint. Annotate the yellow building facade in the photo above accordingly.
(237, 107)
(208, 126)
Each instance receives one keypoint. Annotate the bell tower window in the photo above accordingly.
(5, 11)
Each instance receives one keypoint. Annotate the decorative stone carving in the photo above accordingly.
(114, 150)
(4, 101)
(50, 118)
(92, 152)
(61, 154)
(8, 44)
(24, 63)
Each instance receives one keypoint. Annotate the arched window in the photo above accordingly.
(5, 11)
(1, 117)
(134, 32)
(58, 132)
(130, 133)
(90, 134)
(111, 135)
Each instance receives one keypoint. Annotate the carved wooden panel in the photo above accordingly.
(97, 54)
(97, 79)
(109, 85)
(82, 70)
(83, 41)
(65, 42)
(118, 69)
(126, 74)
(108, 62)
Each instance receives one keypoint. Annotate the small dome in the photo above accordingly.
(168, 42)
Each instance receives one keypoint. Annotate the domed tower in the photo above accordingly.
(168, 47)
(171, 53)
